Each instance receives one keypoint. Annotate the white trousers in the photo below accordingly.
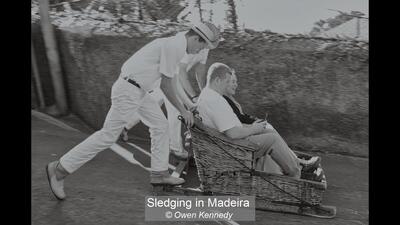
(126, 101)
(174, 124)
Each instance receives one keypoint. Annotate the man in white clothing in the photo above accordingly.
(198, 63)
(158, 60)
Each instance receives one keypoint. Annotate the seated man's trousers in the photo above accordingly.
(272, 144)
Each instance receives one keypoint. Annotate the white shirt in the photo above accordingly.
(190, 60)
(215, 111)
(193, 59)
(161, 56)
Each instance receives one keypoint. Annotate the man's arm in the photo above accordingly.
(169, 87)
(183, 96)
(201, 75)
(183, 78)
(245, 131)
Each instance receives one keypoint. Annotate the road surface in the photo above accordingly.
(110, 190)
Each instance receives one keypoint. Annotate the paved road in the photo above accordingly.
(110, 190)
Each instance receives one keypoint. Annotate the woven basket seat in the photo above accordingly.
(227, 167)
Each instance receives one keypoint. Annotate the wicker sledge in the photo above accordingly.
(227, 167)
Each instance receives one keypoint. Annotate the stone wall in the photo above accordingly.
(317, 99)
(315, 90)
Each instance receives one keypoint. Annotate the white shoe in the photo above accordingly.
(319, 175)
(311, 164)
(181, 155)
(163, 177)
(56, 186)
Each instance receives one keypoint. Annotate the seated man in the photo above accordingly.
(274, 154)
(236, 107)
(266, 163)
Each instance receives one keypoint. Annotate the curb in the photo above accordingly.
(52, 120)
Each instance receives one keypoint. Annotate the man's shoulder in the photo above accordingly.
(176, 43)
(210, 96)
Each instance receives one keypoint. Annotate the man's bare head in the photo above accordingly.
(218, 71)
(219, 77)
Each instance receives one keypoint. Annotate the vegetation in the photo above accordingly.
(327, 24)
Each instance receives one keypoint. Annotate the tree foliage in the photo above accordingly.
(232, 16)
(327, 24)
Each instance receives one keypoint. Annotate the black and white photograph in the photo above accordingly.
(220, 112)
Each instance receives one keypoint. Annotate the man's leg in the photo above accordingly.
(274, 145)
(307, 164)
(152, 115)
(174, 124)
(267, 164)
(125, 100)
(272, 130)
(175, 127)
(135, 119)
(95, 143)
(158, 96)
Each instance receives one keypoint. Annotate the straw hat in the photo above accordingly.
(209, 32)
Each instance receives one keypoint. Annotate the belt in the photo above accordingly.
(132, 82)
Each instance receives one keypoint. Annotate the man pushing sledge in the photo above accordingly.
(157, 60)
